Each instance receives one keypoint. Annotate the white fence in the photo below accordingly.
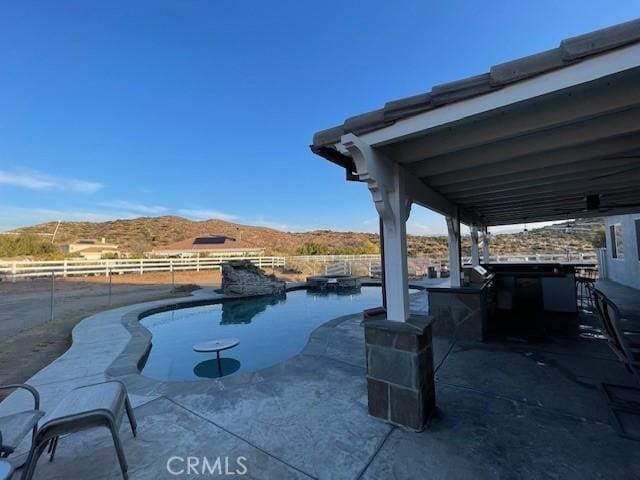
(64, 268)
(334, 258)
(519, 257)
(419, 266)
(338, 268)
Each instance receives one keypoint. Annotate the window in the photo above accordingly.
(617, 246)
(638, 237)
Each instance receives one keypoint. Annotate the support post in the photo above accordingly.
(395, 255)
(485, 244)
(453, 227)
(475, 251)
(387, 185)
(382, 279)
(400, 379)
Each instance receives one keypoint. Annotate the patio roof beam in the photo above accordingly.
(560, 202)
(596, 98)
(599, 128)
(510, 219)
(562, 160)
(560, 189)
(548, 176)
(564, 210)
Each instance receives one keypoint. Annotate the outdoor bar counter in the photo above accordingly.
(466, 312)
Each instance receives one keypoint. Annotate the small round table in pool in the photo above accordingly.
(217, 346)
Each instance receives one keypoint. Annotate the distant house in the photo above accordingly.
(91, 249)
(209, 245)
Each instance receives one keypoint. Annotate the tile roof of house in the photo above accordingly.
(218, 242)
(98, 249)
(569, 51)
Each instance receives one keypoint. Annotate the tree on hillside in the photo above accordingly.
(25, 245)
(367, 247)
(313, 248)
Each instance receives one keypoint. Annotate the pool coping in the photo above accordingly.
(125, 365)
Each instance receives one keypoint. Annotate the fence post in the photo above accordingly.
(53, 286)
(198, 262)
(64, 274)
(110, 279)
(14, 271)
(173, 277)
(141, 266)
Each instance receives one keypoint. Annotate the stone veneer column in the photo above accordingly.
(400, 379)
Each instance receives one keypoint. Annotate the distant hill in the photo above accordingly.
(142, 234)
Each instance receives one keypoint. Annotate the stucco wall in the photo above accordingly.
(624, 270)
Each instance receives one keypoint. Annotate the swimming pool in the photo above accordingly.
(270, 330)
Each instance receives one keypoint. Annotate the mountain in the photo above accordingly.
(142, 234)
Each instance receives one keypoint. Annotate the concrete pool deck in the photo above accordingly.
(507, 409)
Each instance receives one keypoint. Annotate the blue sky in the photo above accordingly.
(206, 108)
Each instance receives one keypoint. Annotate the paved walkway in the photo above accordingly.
(507, 410)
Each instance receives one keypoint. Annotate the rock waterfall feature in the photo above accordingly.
(243, 278)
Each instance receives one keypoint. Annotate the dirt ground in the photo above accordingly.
(30, 340)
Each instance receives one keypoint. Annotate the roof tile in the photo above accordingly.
(601, 40)
(467, 87)
(407, 106)
(328, 136)
(365, 122)
(526, 67)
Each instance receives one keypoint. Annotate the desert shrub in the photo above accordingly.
(26, 245)
(314, 248)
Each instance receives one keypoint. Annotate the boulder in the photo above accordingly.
(243, 278)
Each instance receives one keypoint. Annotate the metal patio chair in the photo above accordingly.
(15, 427)
(624, 349)
(97, 405)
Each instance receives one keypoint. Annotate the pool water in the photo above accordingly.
(270, 330)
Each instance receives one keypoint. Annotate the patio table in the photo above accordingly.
(217, 346)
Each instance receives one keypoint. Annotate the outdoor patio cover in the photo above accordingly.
(551, 136)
